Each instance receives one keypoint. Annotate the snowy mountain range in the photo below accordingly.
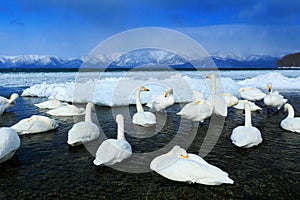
(133, 59)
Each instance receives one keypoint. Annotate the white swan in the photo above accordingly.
(9, 143)
(230, 99)
(274, 99)
(241, 103)
(162, 101)
(219, 103)
(142, 118)
(66, 110)
(85, 131)
(290, 123)
(251, 94)
(35, 124)
(7, 103)
(246, 136)
(50, 104)
(198, 96)
(112, 151)
(178, 165)
(197, 110)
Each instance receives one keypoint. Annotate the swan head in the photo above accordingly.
(179, 152)
(269, 87)
(90, 105)
(211, 76)
(198, 102)
(168, 92)
(119, 118)
(142, 88)
(13, 97)
(286, 107)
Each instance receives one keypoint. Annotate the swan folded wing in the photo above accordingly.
(9, 143)
(112, 151)
(35, 124)
(50, 104)
(240, 105)
(144, 118)
(292, 124)
(252, 94)
(189, 111)
(246, 136)
(161, 102)
(82, 132)
(187, 170)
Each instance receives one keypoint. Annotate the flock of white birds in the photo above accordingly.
(177, 164)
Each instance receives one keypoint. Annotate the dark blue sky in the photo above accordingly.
(72, 28)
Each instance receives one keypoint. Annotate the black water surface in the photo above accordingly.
(45, 167)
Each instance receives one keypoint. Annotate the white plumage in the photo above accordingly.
(178, 165)
(251, 94)
(7, 103)
(142, 118)
(66, 110)
(9, 143)
(35, 124)
(274, 99)
(112, 151)
(50, 104)
(86, 131)
(241, 103)
(246, 136)
(290, 123)
(218, 102)
(161, 102)
(197, 110)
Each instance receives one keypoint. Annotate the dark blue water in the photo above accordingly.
(45, 167)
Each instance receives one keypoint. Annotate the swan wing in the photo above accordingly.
(9, 143)
(112, 151)
(291, 124)
(82, 132)
(144, 118)
(190, 170)
(35, 124)
(246, 136)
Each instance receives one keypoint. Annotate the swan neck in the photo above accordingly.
(88, 113)
(213, 85)
(291, 112)
(139, 106)
(121, 135)
(247, 116)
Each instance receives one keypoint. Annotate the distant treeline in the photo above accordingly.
(290, 60)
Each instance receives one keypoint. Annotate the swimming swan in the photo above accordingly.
(241, 103)
(246, 136)
(251, 94)
(274, 99)
(142, 118)
(84, 131)
(50, 104)
(197, 110)
(7, 103)
(112, 151)
(219, 103)
(230, 99)
(9, 143)
(66, 110)
(178, 165)
(290, 123)
(162, 101)
(35, 124)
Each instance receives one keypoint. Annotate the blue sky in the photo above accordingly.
(72, 28)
